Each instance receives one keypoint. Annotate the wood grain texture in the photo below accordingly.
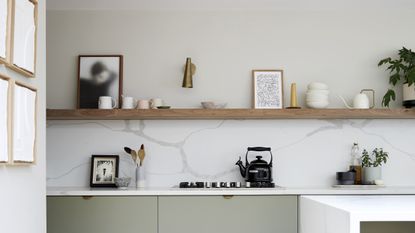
(183, 114)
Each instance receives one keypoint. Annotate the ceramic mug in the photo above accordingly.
(156, 102)
(128, 102)
(143, 104)
(106, 102)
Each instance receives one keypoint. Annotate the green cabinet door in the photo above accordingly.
(102, 215)
(239, 214)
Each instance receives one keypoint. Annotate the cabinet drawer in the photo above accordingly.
(102, 215)
(239, 214)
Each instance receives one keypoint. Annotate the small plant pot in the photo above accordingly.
(370, 174)
(408, 95)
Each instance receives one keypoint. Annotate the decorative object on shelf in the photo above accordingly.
(5, 120)
(5, 10)
(138, 158)
(268, 89)
(128, 102)
(401, 69)
(212, 105)
(189, 71)
(293, 99)
(143, 104)
(24, 123)
(106, 102)
(122, 182)
(99, 75)
(23, 31)
(372, 165)
(361, 100)
(104, 170)
(156, 102)
(317, 95)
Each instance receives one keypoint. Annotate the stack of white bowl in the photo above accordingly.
(317, 95)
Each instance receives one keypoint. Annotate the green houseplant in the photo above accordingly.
(372, 165)
(402, 70)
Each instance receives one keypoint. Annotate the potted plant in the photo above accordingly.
(372, 165)
(401, 70)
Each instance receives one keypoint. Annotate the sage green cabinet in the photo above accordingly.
(102, 215)
(237, 214)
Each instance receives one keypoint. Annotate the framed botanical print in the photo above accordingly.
(104, 170)
(23, 36)
(5, 121)
(99, 75)
(268, 89)
(24, 124)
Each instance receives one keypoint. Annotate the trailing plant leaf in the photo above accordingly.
(394, 78)
(390, 95)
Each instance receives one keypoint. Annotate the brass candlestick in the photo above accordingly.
(293, 103)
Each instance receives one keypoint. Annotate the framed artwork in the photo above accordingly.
(23, 36)
(268, 89)
(24, 124)
(99, 75)
(5, 120)
(5, 9)
(104, 170)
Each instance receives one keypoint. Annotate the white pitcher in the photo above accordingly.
(361, 100)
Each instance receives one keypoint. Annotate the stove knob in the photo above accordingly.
(184, 185)
(248, 184)
(238, 184)
(207, 185)
(200, 184)
(223, 184)
(228, 184)
(215, 185)
(233, 184)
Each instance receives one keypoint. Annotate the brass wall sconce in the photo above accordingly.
(189, 71)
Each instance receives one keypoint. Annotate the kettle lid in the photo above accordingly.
(259, 160)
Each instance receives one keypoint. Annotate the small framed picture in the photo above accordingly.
(268, 89)
(99, 75)
(104, 169)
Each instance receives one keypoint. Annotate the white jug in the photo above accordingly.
(361, 100)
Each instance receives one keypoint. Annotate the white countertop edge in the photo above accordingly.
(86, 191)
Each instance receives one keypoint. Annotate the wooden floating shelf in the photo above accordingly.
(182, 114)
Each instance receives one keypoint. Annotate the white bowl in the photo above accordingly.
(320, 104)
(325, 92)
(317, 86)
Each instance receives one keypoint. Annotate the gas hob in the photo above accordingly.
(214, 185)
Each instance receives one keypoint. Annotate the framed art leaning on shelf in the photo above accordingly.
(268, 89)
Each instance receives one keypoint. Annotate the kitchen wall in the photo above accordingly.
(23, 188)
(340, 48)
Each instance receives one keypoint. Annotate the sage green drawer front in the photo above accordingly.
(239, 214)
(102, 215)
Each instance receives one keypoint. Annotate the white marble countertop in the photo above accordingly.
(86, 191)
(343, 214)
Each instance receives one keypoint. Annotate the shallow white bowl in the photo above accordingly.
(317, 105)
(317, 86)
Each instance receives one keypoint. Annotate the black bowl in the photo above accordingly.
(345, 178)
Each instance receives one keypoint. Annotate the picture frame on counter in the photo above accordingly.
(99, 75)
(268, 89)
(23, 34)
(5, 20)
(5, 119)
(24, 126)
(104, 170)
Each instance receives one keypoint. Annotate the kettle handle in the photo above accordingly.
(260, 149)
(373, 96)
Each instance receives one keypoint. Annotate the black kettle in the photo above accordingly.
(257, 170)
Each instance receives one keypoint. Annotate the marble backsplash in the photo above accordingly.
(307, 152)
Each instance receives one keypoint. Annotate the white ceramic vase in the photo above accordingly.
(140, 179)
(371, 174)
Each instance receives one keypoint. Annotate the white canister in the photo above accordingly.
(156, 102)
(106, 102)
(143, 104)
(128, 102)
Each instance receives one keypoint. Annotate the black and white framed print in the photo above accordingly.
(268, 89)
(99, 75)
(104, 170)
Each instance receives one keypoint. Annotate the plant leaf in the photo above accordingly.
(390, 95)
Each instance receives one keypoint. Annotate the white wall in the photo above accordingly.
(338, 47)
(22, 195)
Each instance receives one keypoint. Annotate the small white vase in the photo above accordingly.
(371, 174)
(408, 92)
(140, 179)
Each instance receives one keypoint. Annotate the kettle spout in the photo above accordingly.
(242, 168)
(345, 102)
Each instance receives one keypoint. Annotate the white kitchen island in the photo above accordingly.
(347, 214)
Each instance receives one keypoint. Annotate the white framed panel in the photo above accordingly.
(23, 41)
(24, 124)
(5, 112)
(4, 20)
